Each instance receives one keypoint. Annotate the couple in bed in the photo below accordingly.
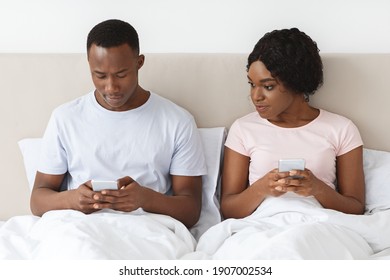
(152, 149)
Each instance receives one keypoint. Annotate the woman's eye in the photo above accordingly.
(269, 88)
(251, 84)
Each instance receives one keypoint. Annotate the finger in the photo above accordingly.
(85, 200)
(286, 189)
(124, 181)
(282, 175)
(88, 184)
(280, 189)
(297, 174)
(115, 193)
(278, 175)
(100, 205)
(125, 206)
(290, 181)
(84, 194)
(85, 190)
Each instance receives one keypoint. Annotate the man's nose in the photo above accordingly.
(111, 85)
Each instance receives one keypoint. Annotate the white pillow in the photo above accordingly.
(213, 140)
(30, 148)
(377, 177)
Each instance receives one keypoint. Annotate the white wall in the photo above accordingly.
(195, 25)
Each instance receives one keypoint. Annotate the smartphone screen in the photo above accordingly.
(291, 164)
(104, 185)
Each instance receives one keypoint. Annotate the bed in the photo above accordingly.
(213, 87)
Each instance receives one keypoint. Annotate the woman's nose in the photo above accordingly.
(257, 93)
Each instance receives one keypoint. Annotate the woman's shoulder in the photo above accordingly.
(333, 118)
(251, 117)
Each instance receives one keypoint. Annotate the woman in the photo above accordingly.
(284, 69)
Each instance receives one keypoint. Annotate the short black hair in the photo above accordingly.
(292, 57)
(113, 33)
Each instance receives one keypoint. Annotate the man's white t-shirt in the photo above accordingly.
(318, 142)
(148, 143)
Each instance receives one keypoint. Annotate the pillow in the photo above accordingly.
(377, 176)
(30, 149)
(213, 140)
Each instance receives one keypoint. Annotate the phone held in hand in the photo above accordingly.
(286, 165)
(98, 185)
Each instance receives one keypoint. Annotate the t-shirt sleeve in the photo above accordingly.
(349, 139)
(235, 140)
(53, 156)
(188, 158)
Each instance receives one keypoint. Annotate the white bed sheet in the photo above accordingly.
(69, 234)
(295, 228)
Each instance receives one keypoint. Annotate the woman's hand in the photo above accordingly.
(301, 182)
(267, 185)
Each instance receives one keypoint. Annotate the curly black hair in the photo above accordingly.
(113, 33)
(292, 57)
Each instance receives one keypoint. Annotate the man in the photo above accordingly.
(121, 132)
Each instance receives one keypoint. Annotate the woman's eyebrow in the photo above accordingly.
(267, 80)
(263, 80)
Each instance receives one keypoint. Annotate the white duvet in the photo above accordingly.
(68, 234)
(296, 228)
(288, 228)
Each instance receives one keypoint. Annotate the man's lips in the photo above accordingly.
(114, 98)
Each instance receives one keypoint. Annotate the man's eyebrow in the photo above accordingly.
(102, 73)
(122, 70)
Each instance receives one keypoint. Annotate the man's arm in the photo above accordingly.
(184, 205)
(46, 196)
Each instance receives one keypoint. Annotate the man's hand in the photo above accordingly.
(128, 197)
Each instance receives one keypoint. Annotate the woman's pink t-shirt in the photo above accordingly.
(318, 142)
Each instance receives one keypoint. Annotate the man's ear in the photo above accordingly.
(140, 61)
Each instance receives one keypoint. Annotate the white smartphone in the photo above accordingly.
(104, 185)
(291, 164)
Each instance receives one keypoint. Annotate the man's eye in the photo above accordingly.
(121, 76)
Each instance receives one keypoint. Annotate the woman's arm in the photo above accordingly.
(350, 197)
(237, 199)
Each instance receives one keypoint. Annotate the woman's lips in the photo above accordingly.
(261, 108)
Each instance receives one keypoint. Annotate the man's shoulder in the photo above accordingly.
(70, 107)
(169, 105)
